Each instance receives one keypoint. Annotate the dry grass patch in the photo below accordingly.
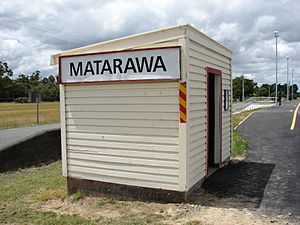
(37, 196)
(194, 222)
(99, 208)
(18, 114)
(50, 194)
(237, 118)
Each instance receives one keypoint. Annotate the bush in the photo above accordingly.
(12, 99)
(21, 100)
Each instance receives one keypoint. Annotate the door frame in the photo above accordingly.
(215, 72)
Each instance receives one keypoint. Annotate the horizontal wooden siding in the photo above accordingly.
(124, 133)
(200, 58)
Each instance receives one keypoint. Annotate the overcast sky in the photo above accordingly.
(32, 30)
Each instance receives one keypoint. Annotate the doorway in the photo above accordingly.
(214, 116)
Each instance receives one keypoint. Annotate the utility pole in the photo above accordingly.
(37, 110)
(292, 84)
(287, 78)
(243, 89)
(276, 88)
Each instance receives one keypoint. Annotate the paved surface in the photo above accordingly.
(269, 178)
(9, 137)
(273, 143)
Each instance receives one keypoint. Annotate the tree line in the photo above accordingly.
(251, 89)
(12, 89)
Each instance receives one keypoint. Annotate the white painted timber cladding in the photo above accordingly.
(124, 133)
(200, 58)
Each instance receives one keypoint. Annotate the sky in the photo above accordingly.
(32, 30)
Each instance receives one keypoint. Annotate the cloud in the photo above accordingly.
(33, 30)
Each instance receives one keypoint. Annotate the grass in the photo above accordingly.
(194, 222)
(240, 145)
(18, 114)
(22, 190)
(20, 214)
(106, 201)
(237, 118)
(15, 185)
(77, 196)
(50, 194)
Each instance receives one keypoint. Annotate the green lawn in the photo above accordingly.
(18, 114)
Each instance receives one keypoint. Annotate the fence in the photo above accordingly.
(253, 103)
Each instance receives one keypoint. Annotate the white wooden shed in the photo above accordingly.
(151, 136)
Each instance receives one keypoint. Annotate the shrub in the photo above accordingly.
(21, 100)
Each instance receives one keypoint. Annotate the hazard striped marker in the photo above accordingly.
(182, 102)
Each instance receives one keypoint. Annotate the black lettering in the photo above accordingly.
(74, 70)
(106, 67)
(159, 64)
(117, 64)
(97, 62)
(129, 66)
(89, 68)
(144, 63)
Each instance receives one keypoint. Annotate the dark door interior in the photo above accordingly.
(211, 118)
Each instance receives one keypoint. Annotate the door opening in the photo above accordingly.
(211, 122)
(214, 126)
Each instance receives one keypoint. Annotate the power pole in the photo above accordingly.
(292, 84)
(287, 78)
(243, 89)
(276, 87)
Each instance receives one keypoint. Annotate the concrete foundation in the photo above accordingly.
(126, 192)
(42, 148)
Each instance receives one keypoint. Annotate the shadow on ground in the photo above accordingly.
(238, 185)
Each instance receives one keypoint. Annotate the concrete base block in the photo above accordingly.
(43, 148)
(126, 192)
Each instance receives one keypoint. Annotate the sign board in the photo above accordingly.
(142, 64)
(34, 96)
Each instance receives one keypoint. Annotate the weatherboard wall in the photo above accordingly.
(202, 54)
(124, 133)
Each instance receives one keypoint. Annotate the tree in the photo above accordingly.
(5, 81)
(5, 70)
(52, 79)
(263, 91)
(24, 80)
(249, 87)
(294, 89)
(5, 87)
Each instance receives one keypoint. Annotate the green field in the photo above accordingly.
(18, 114)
